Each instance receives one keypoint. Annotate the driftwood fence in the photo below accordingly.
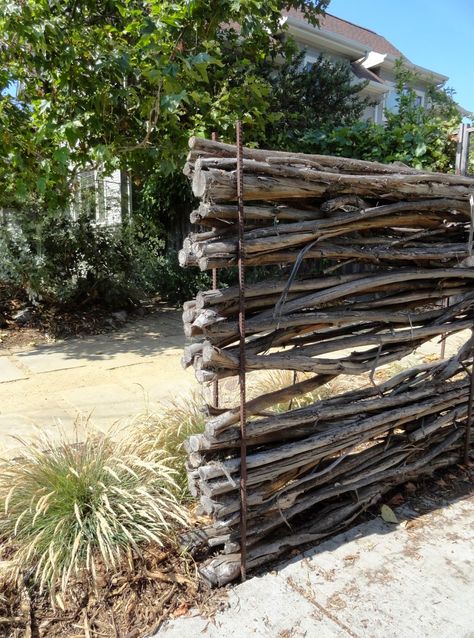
(312, 470)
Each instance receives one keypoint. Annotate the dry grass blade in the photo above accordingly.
(166, 430)
(62, 504)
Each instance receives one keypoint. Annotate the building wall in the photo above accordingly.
(101, 197)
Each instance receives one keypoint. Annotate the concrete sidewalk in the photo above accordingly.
(111, 378)
(414, 580)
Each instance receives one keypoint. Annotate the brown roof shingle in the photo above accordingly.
(373, 41)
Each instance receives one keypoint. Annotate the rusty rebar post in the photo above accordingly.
(215, 285)
(467, 440)
(242, 363)
(443, 340)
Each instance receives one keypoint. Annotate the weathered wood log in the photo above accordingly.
(305, 421)
(262, 526)
(269, 464)
(228, 359)
(398, 215)
(326, 211)
(221, 328)
(276, 183)
(350, 365)
(189, 354)
(370, 283)
(333, 458)
(221, 570)
(213, 322)
(262, 213)
(218, 149)
(274, 166)
(219, 424)
(287, 328)
(262, 289)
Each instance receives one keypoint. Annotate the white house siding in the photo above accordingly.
(101, 197)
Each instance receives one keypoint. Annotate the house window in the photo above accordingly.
(391, 101)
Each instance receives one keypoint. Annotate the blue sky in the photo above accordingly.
(435, 34)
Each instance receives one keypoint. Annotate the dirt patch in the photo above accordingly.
(14, 338)
(44, 323)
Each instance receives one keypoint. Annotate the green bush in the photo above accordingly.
(77, 263)
(421, 136)
(66, 261)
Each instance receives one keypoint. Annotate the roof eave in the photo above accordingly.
(424, 73)
(340, 44)
(335, 42)
(376, 88)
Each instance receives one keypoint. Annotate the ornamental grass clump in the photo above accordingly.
(166, 430)
(71, 510)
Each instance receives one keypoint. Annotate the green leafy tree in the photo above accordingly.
(322, 94)
(118, 84)
(124, 82)
(293, 97)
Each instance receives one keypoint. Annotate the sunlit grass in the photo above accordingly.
(166, 430)
(68, 508)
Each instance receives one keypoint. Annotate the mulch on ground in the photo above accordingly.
(131, 603)
(136, 600)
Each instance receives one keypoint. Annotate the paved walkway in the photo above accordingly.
(111, 378)
(375, 581)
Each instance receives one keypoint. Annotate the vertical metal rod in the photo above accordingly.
(443, 341)
(467, 441)
(215, 285)
(242, 362)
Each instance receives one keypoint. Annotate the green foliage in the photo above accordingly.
(420, 136)
(120, 84)
(68, 508)
(125, 82)
(73, 262)
(60, 260)
(308, 96)
(176, 284)
(470, 157)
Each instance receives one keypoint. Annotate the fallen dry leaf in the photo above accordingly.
(397, 499)
(388, 514)
(181, 610)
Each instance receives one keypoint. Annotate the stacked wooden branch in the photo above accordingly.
(355, 445)
(313, 469)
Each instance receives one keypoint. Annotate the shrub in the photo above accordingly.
(159, 272)
(67, 508)
(166, 430)
(67, 261)
(421, 136)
